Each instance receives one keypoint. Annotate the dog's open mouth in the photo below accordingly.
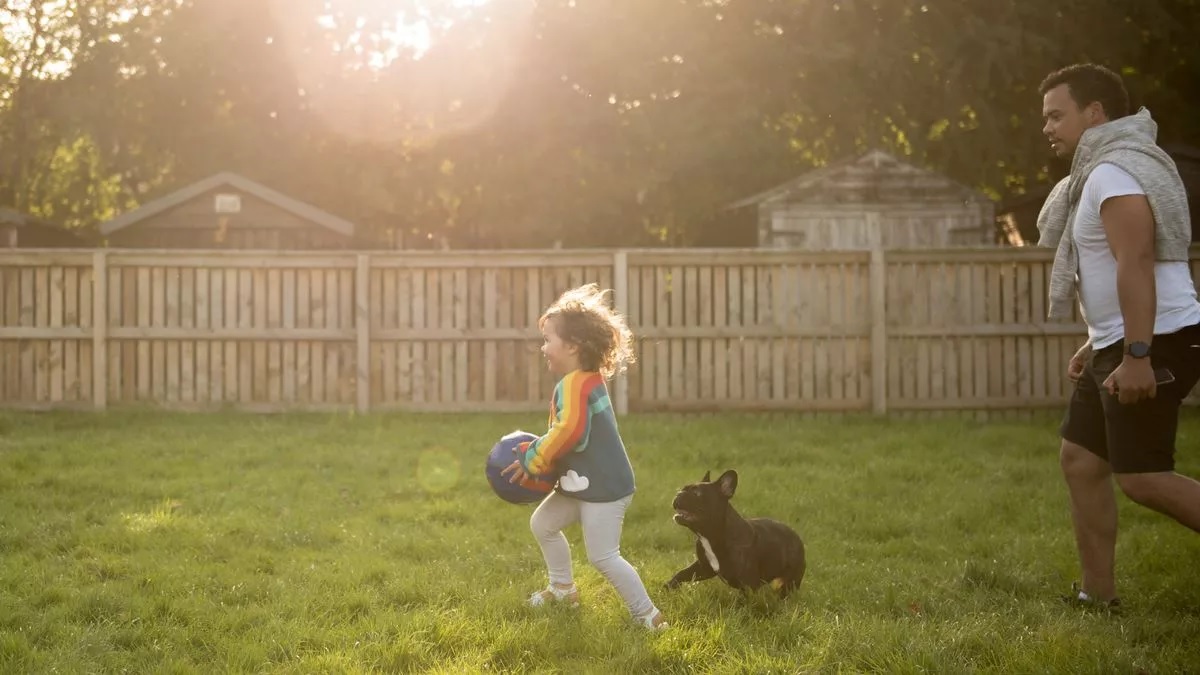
(683, 517)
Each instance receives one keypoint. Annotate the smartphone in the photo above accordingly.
(1161, 376)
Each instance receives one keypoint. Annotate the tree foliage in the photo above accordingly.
(525, 123)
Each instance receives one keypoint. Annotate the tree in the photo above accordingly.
(622, 122)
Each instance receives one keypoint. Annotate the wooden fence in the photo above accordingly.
(960, 329)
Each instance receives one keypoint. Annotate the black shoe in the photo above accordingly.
(1079, 598)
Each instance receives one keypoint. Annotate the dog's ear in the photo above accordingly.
(728, 483)
(706, 478)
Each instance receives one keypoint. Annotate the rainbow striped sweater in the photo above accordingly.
(582, 447)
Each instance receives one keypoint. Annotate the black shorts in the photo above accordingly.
(1137, 438)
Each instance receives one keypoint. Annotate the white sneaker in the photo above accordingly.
(553, 593)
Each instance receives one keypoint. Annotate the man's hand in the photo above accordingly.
(1077, 362)
(1132, 381)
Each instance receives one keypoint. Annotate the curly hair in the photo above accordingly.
(1088, 82)
(583, 318)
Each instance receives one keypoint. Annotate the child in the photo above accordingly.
(584, 343)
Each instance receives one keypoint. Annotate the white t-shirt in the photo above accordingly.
(1101, 310)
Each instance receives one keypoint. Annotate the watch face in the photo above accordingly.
(1139, 349)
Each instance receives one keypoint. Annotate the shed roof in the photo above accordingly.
(43, 231)
(876, 166)
(174, 199)
(14, 217)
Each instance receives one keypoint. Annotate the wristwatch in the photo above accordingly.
(1138, 350)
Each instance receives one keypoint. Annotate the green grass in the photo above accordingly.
(148, 542)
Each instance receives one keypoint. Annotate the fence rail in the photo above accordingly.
(881, 331)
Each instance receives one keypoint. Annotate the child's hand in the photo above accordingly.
(518, 472)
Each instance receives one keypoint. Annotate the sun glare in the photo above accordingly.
(407, 71)
(402, 31)
(394, 34)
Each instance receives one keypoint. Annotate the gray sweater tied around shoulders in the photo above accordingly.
(1129, 143)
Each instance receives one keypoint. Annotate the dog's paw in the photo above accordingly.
(573, 482)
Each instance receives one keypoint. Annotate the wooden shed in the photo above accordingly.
(228, 211)
(872, 200)
(20, 230)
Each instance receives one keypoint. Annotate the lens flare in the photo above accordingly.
(438, 470)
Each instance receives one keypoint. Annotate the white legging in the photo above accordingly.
(601, 523)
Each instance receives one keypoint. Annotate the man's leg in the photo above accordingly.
(1167, 492)
(1142, 436)
(1088, 474)
(1094, 517)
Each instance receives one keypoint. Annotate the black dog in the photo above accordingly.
(745, 552)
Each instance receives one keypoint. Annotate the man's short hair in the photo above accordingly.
(1089, 82)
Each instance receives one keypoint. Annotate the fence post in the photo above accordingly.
(621, 304)
(362, 326)
(99, 330)
(878, 331)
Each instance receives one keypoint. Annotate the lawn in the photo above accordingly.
(147, 542)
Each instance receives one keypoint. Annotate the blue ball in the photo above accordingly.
(501, 456)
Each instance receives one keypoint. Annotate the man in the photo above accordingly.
(1121, 229)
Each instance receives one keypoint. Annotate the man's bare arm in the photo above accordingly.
(1129, 227)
